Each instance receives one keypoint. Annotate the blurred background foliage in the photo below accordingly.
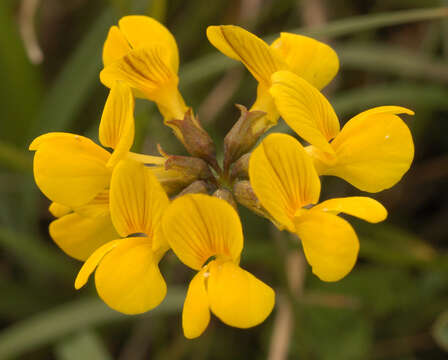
(394, 304)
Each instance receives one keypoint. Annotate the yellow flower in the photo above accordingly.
(314, 61)
(127, 275)
(75, 173)
(201, 228)
(286, 183)
(72, 170)
(82, 230)
(372, 151)
(144, 54)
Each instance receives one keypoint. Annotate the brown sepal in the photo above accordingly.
(243, 135)
(195, 139)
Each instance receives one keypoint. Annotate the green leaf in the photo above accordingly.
(48, 327)
(84, 345)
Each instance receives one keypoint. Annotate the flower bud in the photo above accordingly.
(240, 169)
(245, 195)
(190, 167)
(197, 187)
(227, 196)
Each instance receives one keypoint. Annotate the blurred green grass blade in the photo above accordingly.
(373, 21)
(49, 327)
(405, 94)
(20, 86)
(76, 82)
(15, 159)
(440, 331)
(215, 63)
(122, 7)
(157, 9)
(85, 345)
(392, 60)
(203, 68)
(39, 258)
(24, 298)
(333, 334)
(388, 244)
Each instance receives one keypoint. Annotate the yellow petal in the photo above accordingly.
(149, 71)
(329, 242)
(137, 200)
(237, 297)
(99, 206)
(254, 53)
(70, 169)
(115, 47)
(117, 122)
(92, 262)
(196, 312)
(58, 210)
(128, 278)
(80, 236)
(312, 60)
(305, 109)
(146, 69)
(374, 149)
(283, 177)
(142, 31)
(199, 226)
(265, 102)
(362, 207)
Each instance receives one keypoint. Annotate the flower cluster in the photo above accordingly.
(119, 212)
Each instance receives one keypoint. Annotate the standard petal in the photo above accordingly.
(199, 226)
(305, 109)
(137, 200)
(149, 71)
(115, 47)
(128, 278)
(312, 60)
(80, 236)
(362, 207)
(70, 169)
(254, 53)
(329, 242)
(237, 297)
(92, 262)
(196, 312)
(117, 126)
(374, 149)
(142, 31)
(283, 177)
(146, 69)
